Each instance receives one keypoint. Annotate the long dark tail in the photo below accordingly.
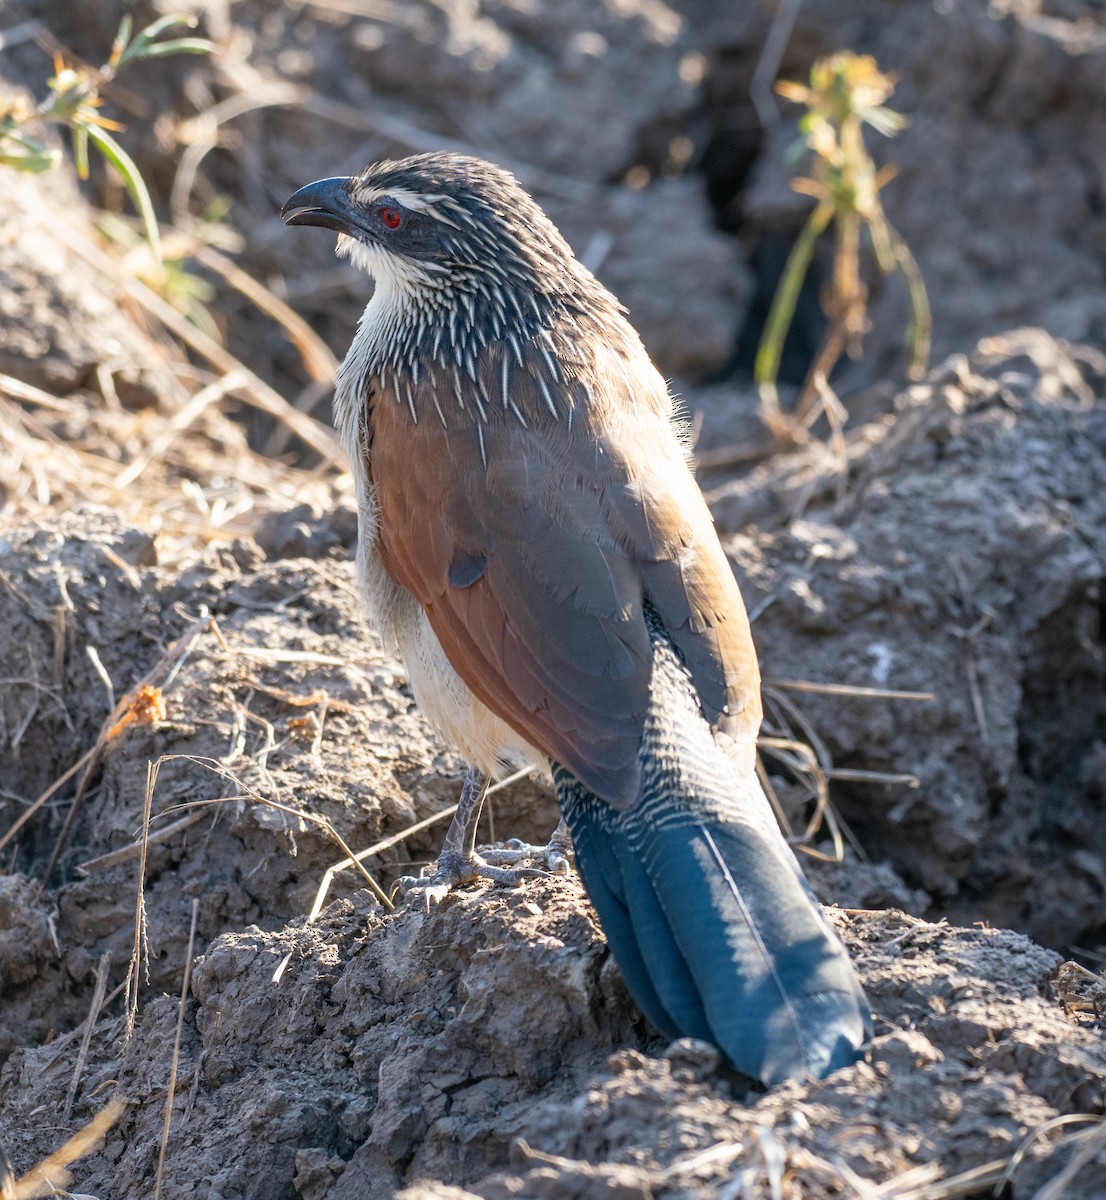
(706, 911)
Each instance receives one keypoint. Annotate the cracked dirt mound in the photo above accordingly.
(489, 1045)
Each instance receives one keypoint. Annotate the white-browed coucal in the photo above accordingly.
(534, 547)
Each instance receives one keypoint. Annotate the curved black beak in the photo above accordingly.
(325, 203)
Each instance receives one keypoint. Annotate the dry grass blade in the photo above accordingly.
(140, 947)
(41, 799)
(60, 1044)
(893, 778)
(377, 848)
(22, 455)
(354, 860)
(976, 1181)
(201, 133)
(113, 858)
(846, 689)
(324, 823)
(317, 698)
(271, 655)
(771, 55)
(806, 757)
(62, 451)
(248, 793)
(175, 1064)
(176, 424)
(798, 719)
(790, 740)
(774, 800)
(52, 1174)
(713, 1158)
(15, 35)
(318, 360)
(39, 447)
(1093, 1142)
(775, 1159)
(253, 389)
(89, 1026)
(836, 416)
(741, 454)
(994, 1177)
(42, 472)
(18, 390)
(1042, 1130)
(143, 704)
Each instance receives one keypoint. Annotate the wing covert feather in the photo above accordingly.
(576, 523)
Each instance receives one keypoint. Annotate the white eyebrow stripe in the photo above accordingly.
(415, 201)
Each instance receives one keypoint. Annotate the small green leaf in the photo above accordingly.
(179, 46)
(156, 28)
(121, 40)
(80, 149)
(128, 171)
(27, 155)
(141, 48)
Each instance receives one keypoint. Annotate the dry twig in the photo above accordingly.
(52, 1174)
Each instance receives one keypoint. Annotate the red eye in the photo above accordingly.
(391, 217)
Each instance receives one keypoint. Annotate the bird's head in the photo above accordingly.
(443, 222)
(463, 259)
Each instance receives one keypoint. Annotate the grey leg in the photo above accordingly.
(458, 861)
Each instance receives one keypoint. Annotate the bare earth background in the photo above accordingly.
(159, 525)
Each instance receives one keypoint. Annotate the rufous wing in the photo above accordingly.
(532, 541)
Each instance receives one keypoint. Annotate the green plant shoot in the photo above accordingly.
(74, 101)
(846, 92)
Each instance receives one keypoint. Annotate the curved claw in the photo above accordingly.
(554, 858)
(429, 889)
(558, 861)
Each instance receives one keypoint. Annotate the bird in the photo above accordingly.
(535, 549)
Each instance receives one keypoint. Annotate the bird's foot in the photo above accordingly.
(453, 870)
(554, 858)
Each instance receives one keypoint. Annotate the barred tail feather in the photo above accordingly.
(705, 908)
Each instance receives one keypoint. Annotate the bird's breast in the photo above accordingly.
(394, 613)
